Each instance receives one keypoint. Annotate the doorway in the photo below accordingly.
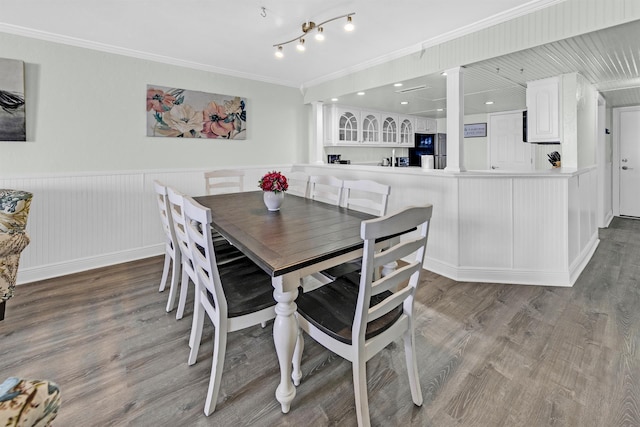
(507, 150)
(627, 160)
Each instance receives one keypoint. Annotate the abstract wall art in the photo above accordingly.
(12, 114)
(181, 113)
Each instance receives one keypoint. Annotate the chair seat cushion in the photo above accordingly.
(247, 288)
(332, 308)
(226, 252)
(343, 269)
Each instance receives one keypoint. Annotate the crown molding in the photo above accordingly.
(102, 47)
(525, 9)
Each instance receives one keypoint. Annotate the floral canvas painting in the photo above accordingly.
(12, 115)
(182, 113)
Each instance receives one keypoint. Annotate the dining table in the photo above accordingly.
(303, 237)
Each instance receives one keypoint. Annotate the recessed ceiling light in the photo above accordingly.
(488, 102)
(404, 102)
(334, 99)
(360, 93)
(444, 73)
(397, 84)
(440, 109)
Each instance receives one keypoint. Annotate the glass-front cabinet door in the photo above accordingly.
(406, 131)
(370, 128)
(390, 130)
(347, 127)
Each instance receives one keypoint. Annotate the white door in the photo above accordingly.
(629, 128)
(507, 151)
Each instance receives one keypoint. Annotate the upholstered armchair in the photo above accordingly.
(28, 403)
(14, 208)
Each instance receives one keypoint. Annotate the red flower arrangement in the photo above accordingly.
(273, 181)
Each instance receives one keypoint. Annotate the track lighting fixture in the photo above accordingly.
(308, 26)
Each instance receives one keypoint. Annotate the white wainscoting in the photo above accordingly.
(505, 228)
(87, 220)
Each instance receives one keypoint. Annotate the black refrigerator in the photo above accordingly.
(431, 144)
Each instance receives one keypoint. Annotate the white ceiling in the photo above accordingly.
(235, 38)
(609, 59)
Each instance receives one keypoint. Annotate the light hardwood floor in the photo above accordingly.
(489, 354)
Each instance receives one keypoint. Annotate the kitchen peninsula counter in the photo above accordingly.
(535, 228)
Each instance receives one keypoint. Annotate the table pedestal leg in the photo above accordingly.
(285, 333)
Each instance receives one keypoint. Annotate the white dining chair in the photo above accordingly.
(227, 252)
(172, 254)
(298, 183)
(365, 196)
(357, 322)
(325, 188)
(223, 181)
(234, 296)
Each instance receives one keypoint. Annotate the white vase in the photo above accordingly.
(273, 200)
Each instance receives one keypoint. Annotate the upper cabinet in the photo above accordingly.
(407, 126)
(543, 110)
(425, 125)
(349, 126)
(370, 127)
(389, 129)
(341, 126)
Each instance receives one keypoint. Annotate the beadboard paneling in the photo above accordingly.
(505, 228)
(486, 223)
(83, 221)
(540, 233)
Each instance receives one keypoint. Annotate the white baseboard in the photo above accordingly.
(505, 276)
(75, 266)
(581, 262)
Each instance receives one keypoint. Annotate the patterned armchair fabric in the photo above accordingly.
(28, 402)
(14, 209)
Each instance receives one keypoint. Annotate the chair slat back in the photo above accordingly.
(298, 184)
(224, 181)
(325, 188)
(176, 207)
(412, 225)
(198, 226)
(366, 196)
(165, 213)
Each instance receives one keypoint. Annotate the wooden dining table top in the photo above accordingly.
(302, 233)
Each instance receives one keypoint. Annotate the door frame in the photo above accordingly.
(616, 156)
(605, 168)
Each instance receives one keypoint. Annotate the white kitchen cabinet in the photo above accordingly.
(407, 126)
(370, 134)
(389, 129)
(350, 126)
(543, 110)
(425, 125)
(341, 125)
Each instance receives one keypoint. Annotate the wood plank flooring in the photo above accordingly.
(489, 354)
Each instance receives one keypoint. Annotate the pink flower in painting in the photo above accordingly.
(159, 101)
(216, 122)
